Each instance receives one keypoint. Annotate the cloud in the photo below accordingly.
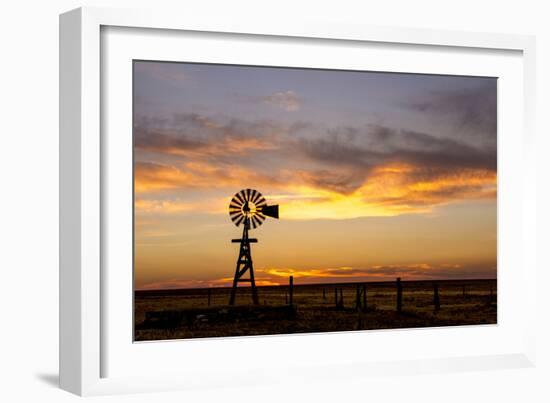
(347, 153)
(279, 276)
(287, 100)
(411, 271)
(171, 284)
(182, 145)
(150, 177)
(470, 109)
(343, 172)
(148, 206)
(376, 170)
(364, 148)
(345, 182)
(413, 185)
(389, 190)
(193, 135)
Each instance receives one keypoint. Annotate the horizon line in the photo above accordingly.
(316, 284)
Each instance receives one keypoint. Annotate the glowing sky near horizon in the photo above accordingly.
(377, 175)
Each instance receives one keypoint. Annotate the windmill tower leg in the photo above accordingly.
(244, 264)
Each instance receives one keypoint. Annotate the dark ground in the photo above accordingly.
(180, 314)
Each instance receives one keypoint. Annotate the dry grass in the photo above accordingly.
(313, 313)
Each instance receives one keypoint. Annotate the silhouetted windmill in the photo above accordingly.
(249, 208)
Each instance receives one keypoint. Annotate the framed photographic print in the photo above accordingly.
(237, 192)
(384, 185)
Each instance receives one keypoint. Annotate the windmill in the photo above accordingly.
(249, 209)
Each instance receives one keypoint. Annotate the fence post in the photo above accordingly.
(341, 298)
(436, 297)
(463, 290)
(364, 297)
(324, 294)
(399, 295)
(336, 297)
(209, 297)
(357, 297)
(291, 289)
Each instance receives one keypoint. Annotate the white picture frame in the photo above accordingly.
(85, 344)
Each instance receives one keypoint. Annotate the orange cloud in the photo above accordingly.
(413, 271)
(152, 177)
(391, 190)
(179, 283)
(145, 206)
(388, 190)
(223, 147)
(403, 186)
(279, 276)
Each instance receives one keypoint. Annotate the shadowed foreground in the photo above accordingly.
(192, 313)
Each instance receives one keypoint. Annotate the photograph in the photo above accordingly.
(283, 200)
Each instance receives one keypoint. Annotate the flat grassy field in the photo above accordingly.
(191, 313)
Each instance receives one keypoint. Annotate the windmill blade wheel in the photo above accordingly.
(245, 206)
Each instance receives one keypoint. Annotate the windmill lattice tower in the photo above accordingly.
(249, 209)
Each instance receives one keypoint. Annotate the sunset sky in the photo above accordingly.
(378, 175)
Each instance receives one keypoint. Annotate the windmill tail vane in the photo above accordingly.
(249, 209)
